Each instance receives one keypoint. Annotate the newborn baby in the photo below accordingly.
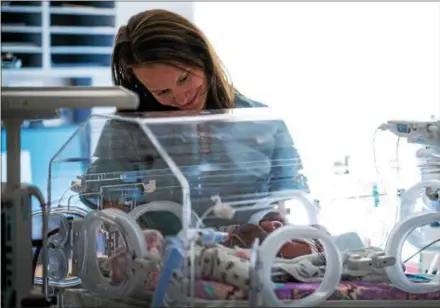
(244, 236)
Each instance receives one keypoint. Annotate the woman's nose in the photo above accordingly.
(182, 97)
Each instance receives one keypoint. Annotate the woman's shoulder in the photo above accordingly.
(242, 101)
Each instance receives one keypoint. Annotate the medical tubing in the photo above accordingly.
(408, 201)
(174, 258)
(394, 248)
(65, 210)
(267, 253)
(423, 249)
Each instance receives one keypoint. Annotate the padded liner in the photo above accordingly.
(346, 291)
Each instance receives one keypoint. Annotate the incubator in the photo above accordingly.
(182, 209)
(418, 216)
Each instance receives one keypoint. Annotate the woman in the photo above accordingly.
(170, 64)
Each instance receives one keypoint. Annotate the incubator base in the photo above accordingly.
(81, 298)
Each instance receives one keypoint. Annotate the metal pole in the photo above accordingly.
(13, 153)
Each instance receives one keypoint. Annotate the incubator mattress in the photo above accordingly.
(215, 294)
(210, 290)
(214, 285)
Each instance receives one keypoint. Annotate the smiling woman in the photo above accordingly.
(170, 64)
(174, 86)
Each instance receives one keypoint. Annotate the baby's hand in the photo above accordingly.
(154, 241)
(119, 265)
(120, 262)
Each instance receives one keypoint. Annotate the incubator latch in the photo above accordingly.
(150, 187)
(368, 260)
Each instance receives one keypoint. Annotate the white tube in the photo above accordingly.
(272, 245)
(408, 201)
(91, 275)
(394, 248)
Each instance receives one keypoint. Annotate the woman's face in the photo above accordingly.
(174, 86)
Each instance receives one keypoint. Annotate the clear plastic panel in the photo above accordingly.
(201, 209)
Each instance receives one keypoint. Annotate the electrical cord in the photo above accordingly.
(422, 249)
(374, 152)
(385, 233)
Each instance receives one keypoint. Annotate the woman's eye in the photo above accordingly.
(184, 77)
(162, 92)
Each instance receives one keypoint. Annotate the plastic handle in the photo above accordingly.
(408, 201)
(310, 206)
(91, 275)
(272, 245)
(394, 248)
(167, 206)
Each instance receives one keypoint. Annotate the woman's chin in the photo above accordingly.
(195, 106)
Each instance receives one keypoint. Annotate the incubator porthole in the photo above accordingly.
(58, 225)
(58, 221)
(109, 242)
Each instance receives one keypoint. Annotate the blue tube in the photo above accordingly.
(174, 258)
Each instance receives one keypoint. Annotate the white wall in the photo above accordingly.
(335, 71)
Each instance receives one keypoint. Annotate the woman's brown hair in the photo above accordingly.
(160, 36)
